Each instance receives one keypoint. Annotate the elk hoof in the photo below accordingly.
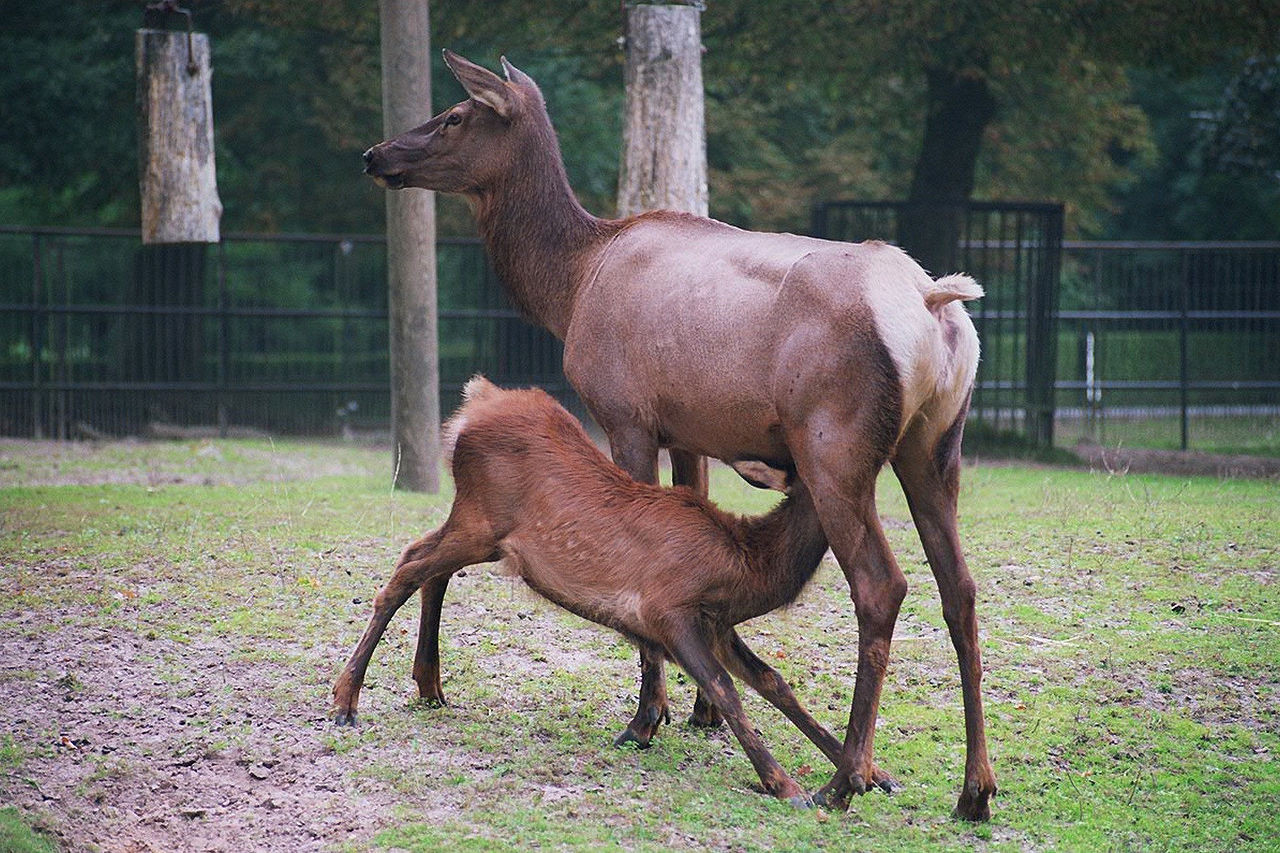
(974, 804)
(345, 718)
(629, 737)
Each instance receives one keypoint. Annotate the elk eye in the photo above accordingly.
(452, 119)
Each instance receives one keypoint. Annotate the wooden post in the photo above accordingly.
(181, 212)
(664, 143)
(411, 255)
(175, 138)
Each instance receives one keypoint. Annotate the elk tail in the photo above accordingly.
(951, 288)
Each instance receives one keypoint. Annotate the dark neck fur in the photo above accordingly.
(537, 234)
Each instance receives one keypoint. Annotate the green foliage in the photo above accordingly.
(805, 102)
(1183, 193)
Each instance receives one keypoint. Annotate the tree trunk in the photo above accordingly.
(175, 139)
(664, 144)
(959, 108)
(411, 255)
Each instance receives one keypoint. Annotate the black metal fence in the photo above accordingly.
(1147, 344)
(1173, 345)
(1015, 251)
(286, 334)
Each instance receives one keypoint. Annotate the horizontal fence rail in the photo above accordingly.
(1152, 344)
(1171, 345)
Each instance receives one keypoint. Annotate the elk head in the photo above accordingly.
(466, 147)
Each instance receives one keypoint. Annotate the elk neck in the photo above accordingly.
(538, 236)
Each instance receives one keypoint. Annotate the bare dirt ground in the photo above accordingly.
(127, 771)
(1178, 462)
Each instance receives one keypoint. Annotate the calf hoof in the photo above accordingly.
(345, 718)
(830, 796)
(974, 804)
(705, 715)
(801, 801)
(884, 781)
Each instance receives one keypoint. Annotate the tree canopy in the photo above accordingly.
(1090, 102)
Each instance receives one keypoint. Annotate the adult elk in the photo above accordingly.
(823, 359)
(662, 566)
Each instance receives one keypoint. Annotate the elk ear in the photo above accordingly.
(515, 75)
(481, 84)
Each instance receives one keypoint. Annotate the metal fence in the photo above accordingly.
(1014, 250)
(1152, 344)
(284, 334)
(1173, 345)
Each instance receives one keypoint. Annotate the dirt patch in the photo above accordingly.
(1184, 463)
(135, 756)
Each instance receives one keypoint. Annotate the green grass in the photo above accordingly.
(1131, 638)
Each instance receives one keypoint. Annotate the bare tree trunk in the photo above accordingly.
(181, 212)
(175, 139)
(960, 105)
(664, 143)
(411, 255)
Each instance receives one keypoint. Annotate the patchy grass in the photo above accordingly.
(173, 616)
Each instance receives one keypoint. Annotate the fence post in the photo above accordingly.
(224, 344)
(38, 318)
(1183, 360)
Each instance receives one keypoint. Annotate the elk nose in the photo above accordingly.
(368, 160)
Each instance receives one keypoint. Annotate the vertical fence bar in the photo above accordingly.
(1183, 360)
(224, 342)
(39, 316)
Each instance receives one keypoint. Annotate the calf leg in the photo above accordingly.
(770, 684)
(636, 452)
(689, 647)
(653, 700)
(437, 555)
(426, 661)
(690, 469)
(930, 477)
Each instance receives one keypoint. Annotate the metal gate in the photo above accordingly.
(1015, 253)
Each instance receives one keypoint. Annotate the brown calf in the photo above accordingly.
(664, 567)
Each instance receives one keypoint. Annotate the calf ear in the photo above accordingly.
(762, 476)
(481, 84)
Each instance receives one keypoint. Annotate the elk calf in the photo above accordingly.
(664, 567)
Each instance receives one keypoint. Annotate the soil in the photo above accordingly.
(126, 769)
(1130, 460)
